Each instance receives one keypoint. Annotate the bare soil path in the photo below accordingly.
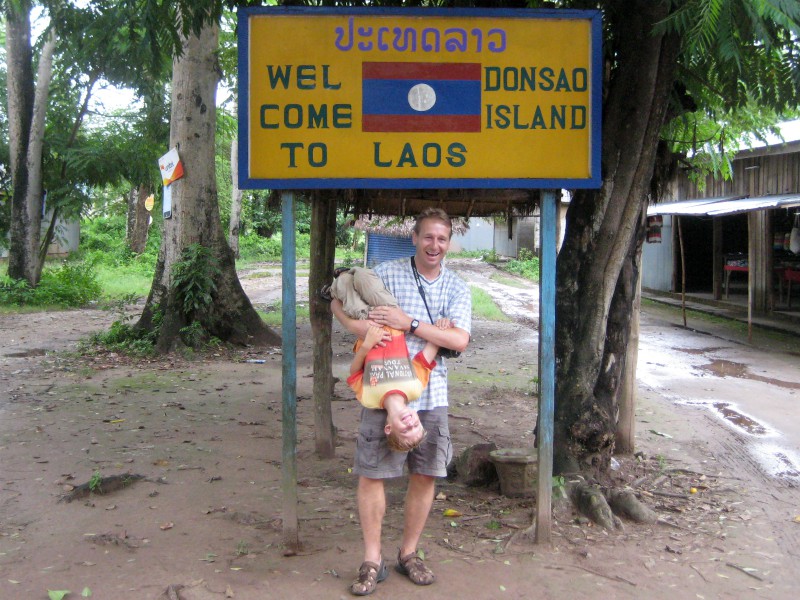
(205, 435)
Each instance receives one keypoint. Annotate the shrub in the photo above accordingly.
(71, 285)
(123, 338)
(254, 247)
(193, 279)
(525, 265)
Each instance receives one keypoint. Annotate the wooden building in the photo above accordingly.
(731, 230)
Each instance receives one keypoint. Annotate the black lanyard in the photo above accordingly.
(420, 288)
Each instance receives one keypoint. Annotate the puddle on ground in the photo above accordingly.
(777, 462)
(732, 416)
(728, 368)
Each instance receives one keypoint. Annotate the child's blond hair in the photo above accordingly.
(398, 444)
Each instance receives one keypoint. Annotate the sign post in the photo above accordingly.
(402, 98)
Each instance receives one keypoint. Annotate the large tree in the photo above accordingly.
(98, 43)
(27, 106)
(195, 279)
(664, 60)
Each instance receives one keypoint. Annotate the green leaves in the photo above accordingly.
(193, 280)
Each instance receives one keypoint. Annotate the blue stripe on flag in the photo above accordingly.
(390, 97)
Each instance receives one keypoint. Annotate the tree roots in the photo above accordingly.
(604, 506)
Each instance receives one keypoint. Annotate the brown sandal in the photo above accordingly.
(369, 576)
(412, 566)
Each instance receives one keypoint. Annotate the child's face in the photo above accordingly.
(405, 425)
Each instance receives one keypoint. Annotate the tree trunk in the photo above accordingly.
(600, 227)
(195, 210)
(27, 107)
(618, 329)
(138, 218)
(54, 210)
(323, 246)
(236, 200)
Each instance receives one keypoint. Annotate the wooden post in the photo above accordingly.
(323, 247)
(683, 271)
(547, 366)
(289, 388)
(717, 257)
(626, 428)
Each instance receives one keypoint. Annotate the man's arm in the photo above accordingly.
(454, 338)
(357, 327)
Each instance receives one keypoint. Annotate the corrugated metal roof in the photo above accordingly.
(725, 205)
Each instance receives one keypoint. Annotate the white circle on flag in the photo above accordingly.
(421, 97)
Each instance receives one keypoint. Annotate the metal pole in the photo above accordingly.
(547, 365)
(289, 342)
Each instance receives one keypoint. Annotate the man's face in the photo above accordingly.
(432, 243)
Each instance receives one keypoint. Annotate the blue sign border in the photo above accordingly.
(593, 182)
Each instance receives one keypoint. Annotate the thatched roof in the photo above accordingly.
(457, 203)
(400, 226)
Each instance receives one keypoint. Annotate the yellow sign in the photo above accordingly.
(149, 202)
(369, 98)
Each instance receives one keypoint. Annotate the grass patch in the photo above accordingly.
(273, 315)
(13, 309)
(118, 282)
(483, 307)
(260, 275)
(468, 254)
(509, 281)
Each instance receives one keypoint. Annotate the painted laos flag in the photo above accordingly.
(421, 97)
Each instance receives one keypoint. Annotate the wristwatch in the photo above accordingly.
(414, 325)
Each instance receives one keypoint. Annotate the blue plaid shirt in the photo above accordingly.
(447, 296)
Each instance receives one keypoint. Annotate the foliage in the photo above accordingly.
(253, 247)
(194, 334)
(103, 242)
(491, 256)
(559, 486)
(72, 284)
(349, 258)
(738, 78)
(525, 265)
(123, 338)
(193, 280)
(94, 482)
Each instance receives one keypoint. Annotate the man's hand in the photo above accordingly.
(444, 323)
(393, 316)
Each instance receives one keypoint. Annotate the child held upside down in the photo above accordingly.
(382, 374)
(383, 377)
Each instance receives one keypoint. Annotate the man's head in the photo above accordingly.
(403, 430)
(431, 237)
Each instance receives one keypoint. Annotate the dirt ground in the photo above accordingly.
(204, 519)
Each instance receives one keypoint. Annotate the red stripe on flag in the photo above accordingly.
(421, 123)
(413, 70)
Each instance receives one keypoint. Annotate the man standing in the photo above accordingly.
(445, 295)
